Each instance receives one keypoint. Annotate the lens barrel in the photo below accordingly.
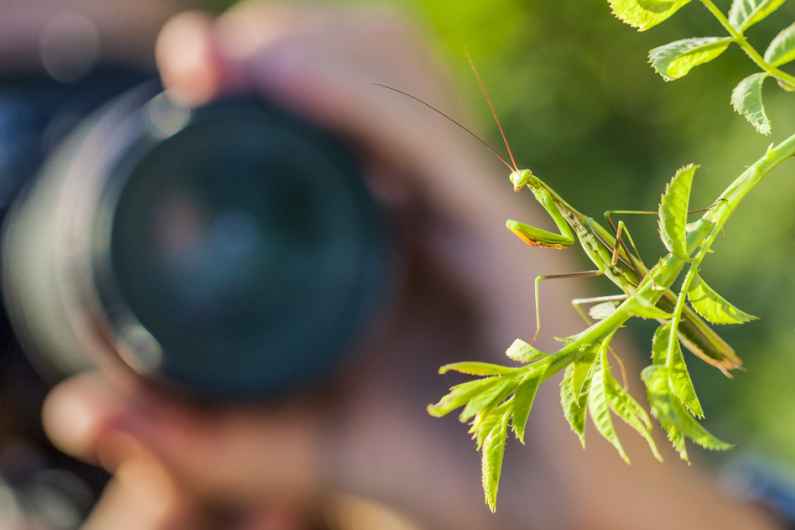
(231, 250)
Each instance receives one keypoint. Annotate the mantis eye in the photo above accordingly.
(520, 178)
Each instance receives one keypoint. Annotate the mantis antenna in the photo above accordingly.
(485, 92)
(454, 122)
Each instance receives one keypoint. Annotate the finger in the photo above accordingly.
(237, 454)
(143, 497)
(188, 60)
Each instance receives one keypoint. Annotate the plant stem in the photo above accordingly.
(746, 46)
(664, 274)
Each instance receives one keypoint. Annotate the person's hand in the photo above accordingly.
(174, 460)
(463, 291)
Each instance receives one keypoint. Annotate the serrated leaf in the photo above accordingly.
(460, 395)
(483, 424)
(713, 307)
(696, 432)
(782, 48)
(523, 405)
(477, 368)
(659, 344)
(602, 311)
(522, 352)
(672, 216)
(493, 453)
(679, 379)
(645, 14)
(748, 102)
(574, 390)
(745, 13)
(633, 414)
(674, 60)
(488, 398)
(599, 404)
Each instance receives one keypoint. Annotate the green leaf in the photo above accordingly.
(488, 398)
(483, 424)
(697, 433)
(492, 458)
(745, 13)
(673, 211)
(782, 48)
(599, 403)
(645, 14)
(477, 368)
(574, 390)
(633, 414)
(679, 378)
(659, 344)
(672, 415)
(522, 352)
(713, 307)
(460, 395)
(523, 405)
(747, 101)
(673, 61)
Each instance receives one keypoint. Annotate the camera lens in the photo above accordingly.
(232, 250)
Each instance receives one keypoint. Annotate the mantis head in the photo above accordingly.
(521, 178)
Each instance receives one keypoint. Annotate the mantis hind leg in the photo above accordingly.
(537, 291)
(578, 304)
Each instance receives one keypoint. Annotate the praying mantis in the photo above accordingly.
(503, 396)
(607, 250)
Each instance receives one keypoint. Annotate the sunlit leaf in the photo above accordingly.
(747, 101)
(633, 414)
(674, 60)
(574, 390)
(523, 405)
(659, 344)
(745, 13)
(477, 368)
(599, 404)
(488, 398)
(492, 458)
(460, 395)
(696, 432)
(679, 379)
(713, 307)
(673, 211)
(522, 352)
(782, 48)
(644, 309)
(645, 14)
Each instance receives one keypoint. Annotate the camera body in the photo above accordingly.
(231, 251)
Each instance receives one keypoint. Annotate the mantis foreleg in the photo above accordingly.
(538, 237)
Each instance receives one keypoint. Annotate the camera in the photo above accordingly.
(230, 251)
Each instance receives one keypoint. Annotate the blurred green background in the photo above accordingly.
(584, 109)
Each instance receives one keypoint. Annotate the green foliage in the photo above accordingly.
(747, 101)
(745, 13)
(503, 397)
(675, 60)
(645, 14)
(672, 214)
(713, 306)
(782, 48)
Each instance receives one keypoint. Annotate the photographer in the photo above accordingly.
(361, 452)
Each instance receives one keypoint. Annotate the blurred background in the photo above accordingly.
(585, 111)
